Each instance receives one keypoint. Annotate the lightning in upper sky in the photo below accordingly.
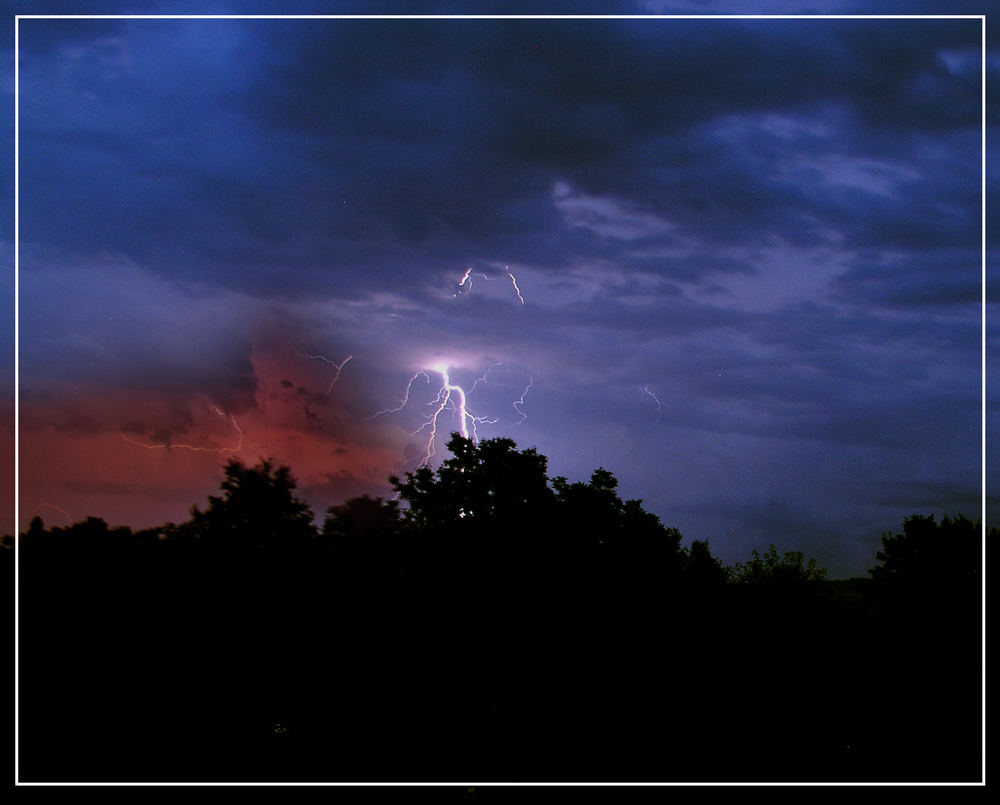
(405, 399)
(465, 284)
(482, 378)
(513, 281)
(338, 366)
(659, 407)
(520, 400)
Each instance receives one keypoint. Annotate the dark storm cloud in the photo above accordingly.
(109, 325)
(493, 111)
(942, 279)
(380, 143)
(771, 225)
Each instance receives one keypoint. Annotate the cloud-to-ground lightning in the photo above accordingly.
(659, 407)
(196, 448)
(451, 397)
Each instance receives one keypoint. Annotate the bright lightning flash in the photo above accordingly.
(466, 282)
(451, 397)
(454, 397)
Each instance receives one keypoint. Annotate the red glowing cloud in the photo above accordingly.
(142, 458)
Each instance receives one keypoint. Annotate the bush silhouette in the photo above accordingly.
(787, 569)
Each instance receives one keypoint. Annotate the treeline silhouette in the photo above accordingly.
(489, 623)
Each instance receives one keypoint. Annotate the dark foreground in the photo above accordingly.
(170, 664)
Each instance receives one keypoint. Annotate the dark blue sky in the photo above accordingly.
(748, 252)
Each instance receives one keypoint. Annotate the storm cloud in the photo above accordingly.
(736, 262)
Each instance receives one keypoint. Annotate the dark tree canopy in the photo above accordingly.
(932, 573)
(485, 484)
(929, 554)
(701, 568)
(496, 503)
(360, 519)
(363, 533)
(257, 509)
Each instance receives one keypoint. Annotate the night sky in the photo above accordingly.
(737, 263)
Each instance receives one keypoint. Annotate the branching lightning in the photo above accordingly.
(454, 397)
(403, 401)
(338, 366)
(465, 284)
(451, 397)
(482, 378)
(196, 448)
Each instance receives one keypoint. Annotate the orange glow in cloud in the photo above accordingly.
(140, 459)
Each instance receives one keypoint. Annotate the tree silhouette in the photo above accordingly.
(927, 617)
(257, 510)
(701, 568)
(945, 556)
(486, 485)
(482, 515)
(490, 622)
(617, 539)
(492, 505)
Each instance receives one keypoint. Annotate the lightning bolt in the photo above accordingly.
(403, 401)
(338, 366)
(196, 448)
(454, 397)
(485, 374)
(451, 397)
(520, 401)
(466, 282)
(513, 281)
(659, 407)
